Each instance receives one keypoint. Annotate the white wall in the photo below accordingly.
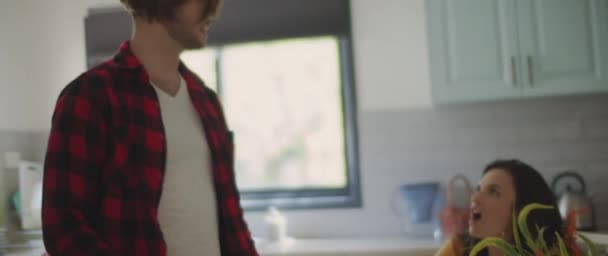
(15, 111)
(41, 50)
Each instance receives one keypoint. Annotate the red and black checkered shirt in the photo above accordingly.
(105, 163)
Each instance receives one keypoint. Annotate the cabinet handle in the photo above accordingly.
(530, 70)
(514, 70)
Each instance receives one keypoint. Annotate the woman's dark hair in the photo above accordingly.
(164, 10)
(530, 187)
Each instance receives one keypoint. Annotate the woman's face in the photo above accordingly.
(492, 205)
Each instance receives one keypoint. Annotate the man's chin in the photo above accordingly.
(194, 46)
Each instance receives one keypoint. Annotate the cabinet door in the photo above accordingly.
(563, 46)
(473, 50)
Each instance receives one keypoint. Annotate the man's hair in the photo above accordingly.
(164, 10)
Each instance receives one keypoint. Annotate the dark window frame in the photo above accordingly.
(350, 196)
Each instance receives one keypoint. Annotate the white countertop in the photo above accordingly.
(597, 237)
(387, 246)
(351, 247)
(390, 246)
(25, 252)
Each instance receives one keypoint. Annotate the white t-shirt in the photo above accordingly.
(187, 210)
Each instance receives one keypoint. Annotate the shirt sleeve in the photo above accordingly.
(236, 238)
(75, 151)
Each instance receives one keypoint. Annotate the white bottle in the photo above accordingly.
(276, 225)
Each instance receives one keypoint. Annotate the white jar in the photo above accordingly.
(276, 225)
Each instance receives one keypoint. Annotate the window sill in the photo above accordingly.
(323, 202)
(350, 247)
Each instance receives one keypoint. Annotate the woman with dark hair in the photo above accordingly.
(505, 188)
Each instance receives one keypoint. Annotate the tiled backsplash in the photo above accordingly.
(402, 146)
(553, 135)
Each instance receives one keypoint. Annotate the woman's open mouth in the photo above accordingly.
(475, 216)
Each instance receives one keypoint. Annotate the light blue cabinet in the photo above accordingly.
(499, 49)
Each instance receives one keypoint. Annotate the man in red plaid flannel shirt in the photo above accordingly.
(139, 158)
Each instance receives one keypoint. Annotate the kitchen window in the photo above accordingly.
(290, 105)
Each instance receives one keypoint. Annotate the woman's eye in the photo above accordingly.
(494, 192)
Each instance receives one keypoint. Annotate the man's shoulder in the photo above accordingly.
(93, 85)
(95, 79)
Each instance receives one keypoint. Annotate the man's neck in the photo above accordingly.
(158, 53)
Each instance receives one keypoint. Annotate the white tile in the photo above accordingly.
(486, 134)
(601, 211)
(537, 110)
(597, 181)
(12, 141)
(39, 145)
(590, 151)
(557, 152)
(595, 128)
(450, 157)
(599, 168)
(593, 106)
(550, 171)
(535, 153)
(549, 130)
(468, 114)
(397, 129)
